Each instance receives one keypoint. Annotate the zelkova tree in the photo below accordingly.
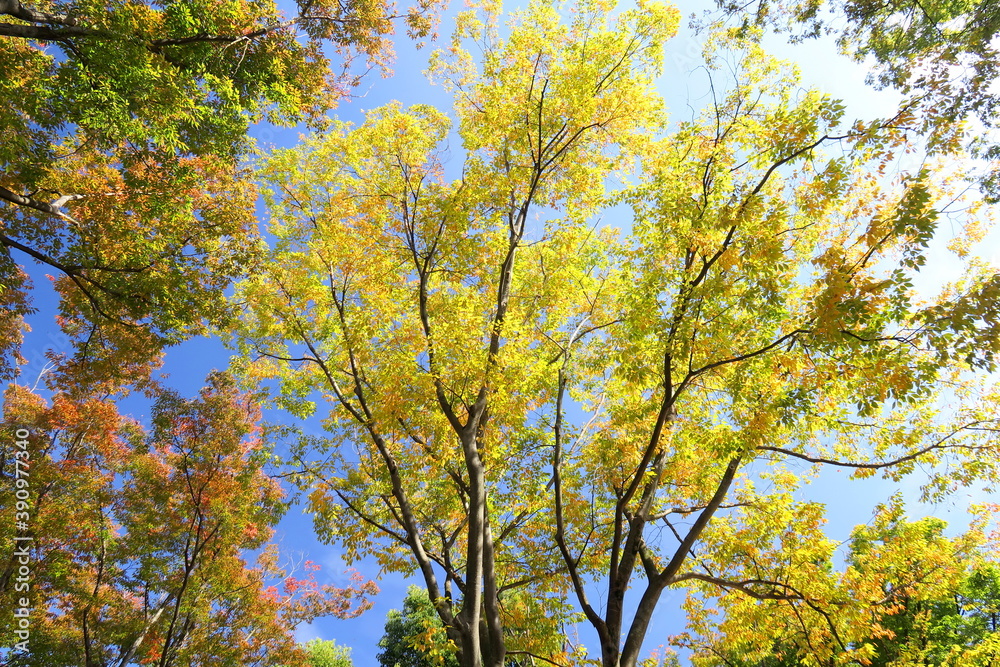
(420, 307)
(761, 317)
(126, 124)
(528, 405)
(137, 539)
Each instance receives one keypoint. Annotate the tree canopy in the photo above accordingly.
(137, 538)
(523, 400)
(943, 603)
(126, 126)
(941, 55)
(326, 653)
(415, 636)
(549, 416)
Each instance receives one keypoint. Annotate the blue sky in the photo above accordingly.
(685, 88)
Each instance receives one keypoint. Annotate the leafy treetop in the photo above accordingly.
(125, 125)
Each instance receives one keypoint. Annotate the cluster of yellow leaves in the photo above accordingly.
(832, 613)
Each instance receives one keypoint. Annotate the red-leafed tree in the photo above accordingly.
(138, 538)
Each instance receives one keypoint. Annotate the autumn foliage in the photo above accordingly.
(543, 405)
(569, 353)
(123, 170)
(140, 538)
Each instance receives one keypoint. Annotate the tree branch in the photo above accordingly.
(744, 586)
(54, 208)
(939, 444)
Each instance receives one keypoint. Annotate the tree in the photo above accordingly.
(126, 124)
(390, 287)
(942, 56)
(523, 400)
(942, 625)
(323, 653)
(136, 539)
(415, 637)
(940, 610)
